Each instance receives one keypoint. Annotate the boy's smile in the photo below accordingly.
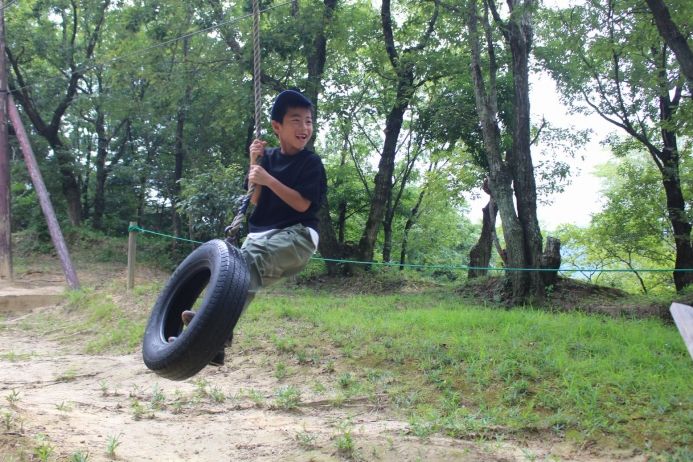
(295, 130)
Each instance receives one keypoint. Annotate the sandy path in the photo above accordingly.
(80, 402)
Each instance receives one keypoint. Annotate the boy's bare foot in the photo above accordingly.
(187, 316)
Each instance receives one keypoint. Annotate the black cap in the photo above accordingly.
(285, 100)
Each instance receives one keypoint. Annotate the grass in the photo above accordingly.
(447, 366)
(486, 371)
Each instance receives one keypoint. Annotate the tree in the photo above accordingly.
(404, 67)
(69, 35)
(610, 60)
(511, 173)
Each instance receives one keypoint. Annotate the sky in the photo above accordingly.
(581, 198)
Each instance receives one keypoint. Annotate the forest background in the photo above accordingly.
(143, 111)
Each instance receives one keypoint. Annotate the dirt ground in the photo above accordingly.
(110, 407)
(82, 404)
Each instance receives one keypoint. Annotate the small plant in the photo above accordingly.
(217, 395)
(305, 440)
(201, 388)
(137, 409)
(158, 398)
(345, 444)
(79, 456)
(134, 390)
(318, 387)
(345, 380)
(64, 407)
(178, 402)
(256, 397)
(13, 398)
(7, 420)
(329, 367)
(288, 397)
(43, 449)
(67, 376)
(280, 370)
(302, 356)
(104, 387)
(112, 444)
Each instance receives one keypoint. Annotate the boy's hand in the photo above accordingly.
(259, 176)
(257, 148)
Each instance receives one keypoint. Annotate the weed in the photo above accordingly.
(158, 400)
(345, 444)
(14, 357)
(137, 409)
(104, 387)
(201, 388)
(329, 367)
(305, 440)
(318, 387)
(178, 402)
(13, 398)
(79, 456)
(217, 395)
(288, 397)
(7, 419)
(280, 370)
(64, 407)
(43, 448)
(284, 344)
(302, 356)
(67, 376)
(345, 380)
(256, 397)
(112, 444)
(135, 390)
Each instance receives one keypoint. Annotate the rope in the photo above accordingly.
(454, 267)
(233, 230)
(257, 84)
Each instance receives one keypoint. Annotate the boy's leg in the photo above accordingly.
(277, 255)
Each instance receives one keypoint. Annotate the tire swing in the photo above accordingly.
(216, 268)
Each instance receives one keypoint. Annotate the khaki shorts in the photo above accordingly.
(277, 254)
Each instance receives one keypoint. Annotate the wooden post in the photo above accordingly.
(5, 211)
(43, 197)
(132, 254)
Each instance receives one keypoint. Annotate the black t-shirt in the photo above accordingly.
(302, 172)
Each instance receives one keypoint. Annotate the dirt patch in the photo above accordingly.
(74, 403)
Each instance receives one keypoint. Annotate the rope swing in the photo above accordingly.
(232, 231)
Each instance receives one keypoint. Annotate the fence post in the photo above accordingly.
(132, 253)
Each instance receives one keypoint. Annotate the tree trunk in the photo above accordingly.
(676, 209)
(550, 259)
(404, 70)
(480, 254)
(100, 163)
(500, 175)
(179, 146)
(70, 186)
(520, 40)
(673, 37)
(329, 245)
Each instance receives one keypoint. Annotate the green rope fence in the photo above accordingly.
(139, 229)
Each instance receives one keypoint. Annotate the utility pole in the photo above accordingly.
(5, 213)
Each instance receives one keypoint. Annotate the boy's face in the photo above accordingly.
(295, 130)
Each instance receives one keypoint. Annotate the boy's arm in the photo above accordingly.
(293, 198)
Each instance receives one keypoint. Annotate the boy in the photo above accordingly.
(290, 187)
